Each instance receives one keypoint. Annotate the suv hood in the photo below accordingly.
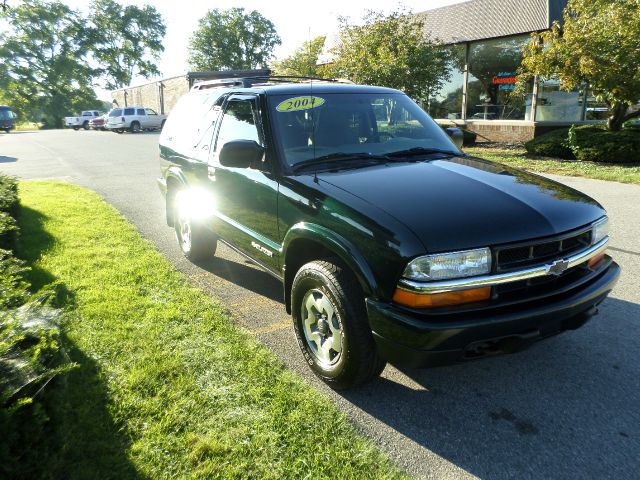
(462, 203)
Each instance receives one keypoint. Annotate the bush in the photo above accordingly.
(596, 144)
(552, 144)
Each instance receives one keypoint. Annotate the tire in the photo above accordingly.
(119, 130)
(85, 125)
(327, 304)
(135, 127)
(76, 128)
(196, 242)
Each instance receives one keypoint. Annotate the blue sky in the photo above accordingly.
(294, 21)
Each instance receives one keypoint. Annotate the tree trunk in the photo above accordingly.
(618, 112)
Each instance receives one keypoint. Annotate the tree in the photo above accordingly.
(231, 39)
(43, 53)
(127, 40)
(598, 45)
(302, 62)
(392, 51)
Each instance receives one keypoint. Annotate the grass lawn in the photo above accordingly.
(517, 157)
(166, 386)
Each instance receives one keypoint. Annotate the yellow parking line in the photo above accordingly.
(274, 327)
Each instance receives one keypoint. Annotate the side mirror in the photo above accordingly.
(241, 153)
(456, 136)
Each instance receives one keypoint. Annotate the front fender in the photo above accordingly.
(334, 243)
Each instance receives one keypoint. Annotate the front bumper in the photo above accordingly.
(410, 339)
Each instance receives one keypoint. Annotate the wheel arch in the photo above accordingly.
(175, 181)
(307, 242)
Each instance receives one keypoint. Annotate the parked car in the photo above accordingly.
(134, 119)
(98, 123)
(7, 118)
(391, 244)
(82, 120)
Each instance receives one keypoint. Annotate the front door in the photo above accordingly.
(246, 198)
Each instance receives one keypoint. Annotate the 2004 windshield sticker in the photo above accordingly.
(299, 103)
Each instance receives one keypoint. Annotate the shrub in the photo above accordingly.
(596, 144)
(552, 144)
(8, 210)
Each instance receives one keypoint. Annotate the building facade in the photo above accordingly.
(487, 37)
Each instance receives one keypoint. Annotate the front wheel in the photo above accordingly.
(76, 128)
(196, 242)
(331, 326)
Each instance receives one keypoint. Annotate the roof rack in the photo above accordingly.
(268, 79)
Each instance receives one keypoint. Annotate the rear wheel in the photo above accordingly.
(196, 242)
(330, 322)
(135, 127)
(119, 130)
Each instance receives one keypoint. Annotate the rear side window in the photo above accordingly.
(190, 124)
(129, 111)
(116, 112)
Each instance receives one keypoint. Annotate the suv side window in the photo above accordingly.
(129, 111)
(140, 111)
(238, 123)
(150, 112)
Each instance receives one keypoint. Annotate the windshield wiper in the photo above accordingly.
(418, 151)
(340, 157)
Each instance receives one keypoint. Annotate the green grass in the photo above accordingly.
(518, 157)
(166, 386)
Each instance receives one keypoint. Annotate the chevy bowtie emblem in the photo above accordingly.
(557, 268)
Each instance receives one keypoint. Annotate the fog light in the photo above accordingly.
(434, 300)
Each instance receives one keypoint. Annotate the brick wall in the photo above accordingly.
(161, 96)
(502, 133)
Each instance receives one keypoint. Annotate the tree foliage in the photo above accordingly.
(43, 53)
(232, 39)
(392, 51)
(303, 61)
(598, 45)
(127, 40)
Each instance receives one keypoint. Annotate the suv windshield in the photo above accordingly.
(339, 126)
(6, 114)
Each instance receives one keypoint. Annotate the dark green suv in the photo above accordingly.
(391, 244)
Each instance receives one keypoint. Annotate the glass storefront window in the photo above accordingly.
(596, 110)
(555, 105)
(447, 103)
(493, 66)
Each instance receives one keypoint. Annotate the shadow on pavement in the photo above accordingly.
(245, 275)
(566, 408)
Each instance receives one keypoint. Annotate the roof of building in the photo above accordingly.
(483, 19)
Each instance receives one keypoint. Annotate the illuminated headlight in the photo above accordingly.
(444, 266)
(600, 231)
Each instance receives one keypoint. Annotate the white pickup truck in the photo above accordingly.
(81, 121)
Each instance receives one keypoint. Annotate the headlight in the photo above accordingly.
(444, 266)
(600, 231)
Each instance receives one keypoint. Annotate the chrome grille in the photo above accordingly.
(520, 256)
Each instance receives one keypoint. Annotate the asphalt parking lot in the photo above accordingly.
(567, 408)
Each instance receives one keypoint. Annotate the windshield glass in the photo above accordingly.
(6, 114)
(310, 127)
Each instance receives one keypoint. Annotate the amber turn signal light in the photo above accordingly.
(434, 300)
(593, 262)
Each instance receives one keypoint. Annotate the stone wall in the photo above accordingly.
(161, 96)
